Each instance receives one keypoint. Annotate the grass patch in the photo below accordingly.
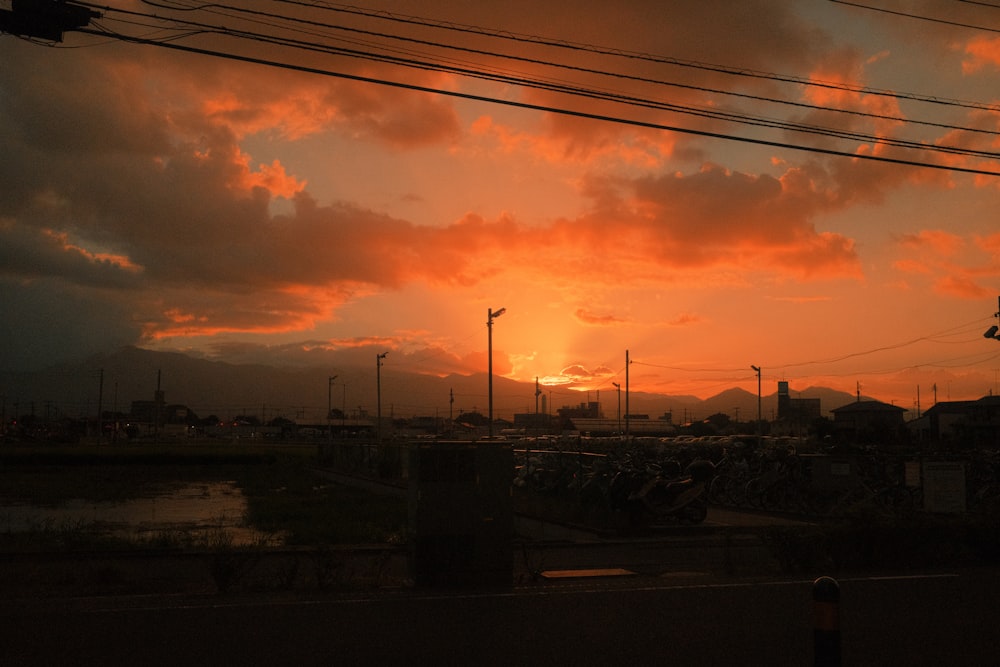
(288, 497)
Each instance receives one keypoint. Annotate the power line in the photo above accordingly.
(693, 64)
(909, 15)
(192, 28)
(931, 337)
(571, 112)
(578, 68)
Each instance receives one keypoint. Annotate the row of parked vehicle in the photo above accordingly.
(669, 480)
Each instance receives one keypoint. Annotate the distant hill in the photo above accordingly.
(302, 394)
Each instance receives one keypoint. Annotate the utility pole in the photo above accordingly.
(757, 368)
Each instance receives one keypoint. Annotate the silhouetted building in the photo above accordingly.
(796, 409)
(868, 420)
(961, 423)
(591, 410)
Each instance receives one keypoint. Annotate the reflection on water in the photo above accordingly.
(201, 512)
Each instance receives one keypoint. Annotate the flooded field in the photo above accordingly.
(191, 512)
(191, 496)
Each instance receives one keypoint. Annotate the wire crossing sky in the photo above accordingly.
(327, 40)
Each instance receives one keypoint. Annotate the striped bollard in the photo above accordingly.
(826, 622)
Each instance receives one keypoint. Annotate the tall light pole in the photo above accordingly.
(619, 388)
(378, 392)
(757, 369)
(627, 363)
(329, 407)
(490, 316)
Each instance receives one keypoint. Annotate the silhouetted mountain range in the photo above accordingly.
(303, 394)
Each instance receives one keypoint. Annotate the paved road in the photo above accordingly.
(938, 619)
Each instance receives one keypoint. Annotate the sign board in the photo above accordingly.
(944, 486)
(911, 474)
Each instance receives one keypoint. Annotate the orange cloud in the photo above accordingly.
(685, 319)
(567, 140)
(273, 179)
(577, 376)
(962, 287)
(596, 320)
(839, 78)
(939, 257)
(718, 218)
(990, 244)
(703, 222)
(911, 266)
(801, 299)
(118, 261)
(179, 312)
(935, 240)
(981, 52)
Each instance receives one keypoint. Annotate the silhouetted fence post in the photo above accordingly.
(826, 622)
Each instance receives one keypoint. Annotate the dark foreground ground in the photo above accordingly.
(931, 618)
(711, 595)
(728, 546)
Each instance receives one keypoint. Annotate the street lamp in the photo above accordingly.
(490, 316)
(538, 392)
(378, 391)
(619, 388)
(757, 369)
(628, 362)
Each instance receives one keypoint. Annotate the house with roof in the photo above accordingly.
(868, 421)
(942, 422)
(963, 424)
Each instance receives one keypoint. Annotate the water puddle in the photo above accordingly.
(204, 513)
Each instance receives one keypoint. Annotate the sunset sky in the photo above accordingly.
(155, 196)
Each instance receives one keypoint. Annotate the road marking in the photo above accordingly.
(582, 589)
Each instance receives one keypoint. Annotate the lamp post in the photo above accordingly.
(490, 316)
(757, 369)
(627, 363)
(329, 407)
(618, 387)
(378, 392)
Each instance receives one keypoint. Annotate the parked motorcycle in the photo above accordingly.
(666, 495)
